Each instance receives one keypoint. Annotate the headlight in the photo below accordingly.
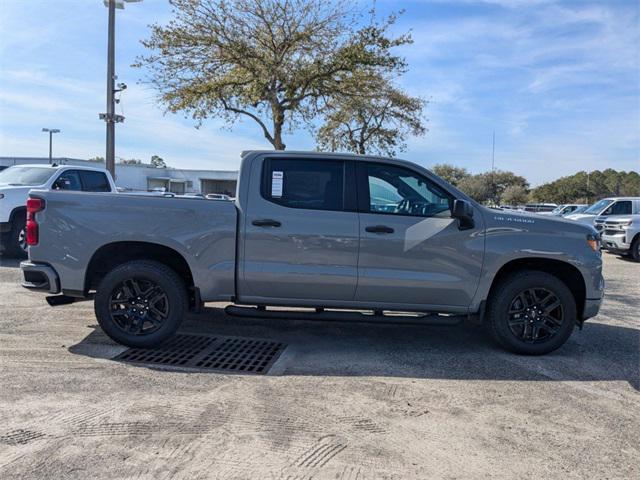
(594, 242)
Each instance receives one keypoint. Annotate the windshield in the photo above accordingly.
(25, 176)
(557, 210)
(577, 210)
(594, 209)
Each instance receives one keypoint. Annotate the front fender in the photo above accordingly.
(512, 237)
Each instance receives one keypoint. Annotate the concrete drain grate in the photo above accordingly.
(202, 352)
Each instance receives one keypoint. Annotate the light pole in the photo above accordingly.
(110, 117)
(51, 132)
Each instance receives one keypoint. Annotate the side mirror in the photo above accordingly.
(463, 211)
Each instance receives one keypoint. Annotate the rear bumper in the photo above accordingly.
(39, 277)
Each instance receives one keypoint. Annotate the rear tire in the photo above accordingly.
(531, 313)
(141, 303)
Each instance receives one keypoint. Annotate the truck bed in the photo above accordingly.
(74, 226)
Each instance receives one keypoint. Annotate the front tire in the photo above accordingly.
(635, 249)
(141, 303)
(16, 242)
(531, 313)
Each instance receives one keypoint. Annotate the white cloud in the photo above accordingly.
(557, 82)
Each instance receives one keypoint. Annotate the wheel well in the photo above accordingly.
(564, 271)
(19, 211)
(109, 256)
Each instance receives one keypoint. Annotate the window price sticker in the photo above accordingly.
(276, 184)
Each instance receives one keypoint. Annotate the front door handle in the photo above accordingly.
(266, 222)
(379, 229)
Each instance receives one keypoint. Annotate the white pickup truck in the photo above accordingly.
(621, 235)
(15, 183)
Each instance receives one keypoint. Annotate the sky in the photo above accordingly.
(558, 82)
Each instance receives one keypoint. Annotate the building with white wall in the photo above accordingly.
(147, 178)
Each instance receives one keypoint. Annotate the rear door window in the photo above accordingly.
(94, 181)
(307, 184)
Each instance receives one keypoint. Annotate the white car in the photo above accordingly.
(597, 213)
(564, 210)
(218, 196)
(15, 183)
(540, 208)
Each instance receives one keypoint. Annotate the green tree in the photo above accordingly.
(500, 180)
(514, 195)
(370, 115)
(630, 184)
(452, 174)
(158, 162)
(477, 187)
(584, 187)
(271, 61)
(489, 187)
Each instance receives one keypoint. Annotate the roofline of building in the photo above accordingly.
(60, 160)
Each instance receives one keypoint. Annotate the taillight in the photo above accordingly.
(34, 205)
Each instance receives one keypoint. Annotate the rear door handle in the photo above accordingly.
(379, 229)
(266, 222)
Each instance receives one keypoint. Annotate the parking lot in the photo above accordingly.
(344, 401)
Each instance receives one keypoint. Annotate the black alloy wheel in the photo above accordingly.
(141, 303)
(22, 240)
(535, 315)
(139, 306)
(531, 312)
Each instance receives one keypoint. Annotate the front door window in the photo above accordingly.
(398, 191)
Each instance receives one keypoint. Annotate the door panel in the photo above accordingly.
(422, 257)
(313, 252)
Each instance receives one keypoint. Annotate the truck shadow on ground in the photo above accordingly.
(599, 352)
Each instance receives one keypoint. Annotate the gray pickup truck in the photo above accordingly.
(322, 231)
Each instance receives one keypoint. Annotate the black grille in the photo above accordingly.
(203, 352)
(612, 232)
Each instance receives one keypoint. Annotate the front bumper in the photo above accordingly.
(39, 277)
(591, 308)
(615, 242)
